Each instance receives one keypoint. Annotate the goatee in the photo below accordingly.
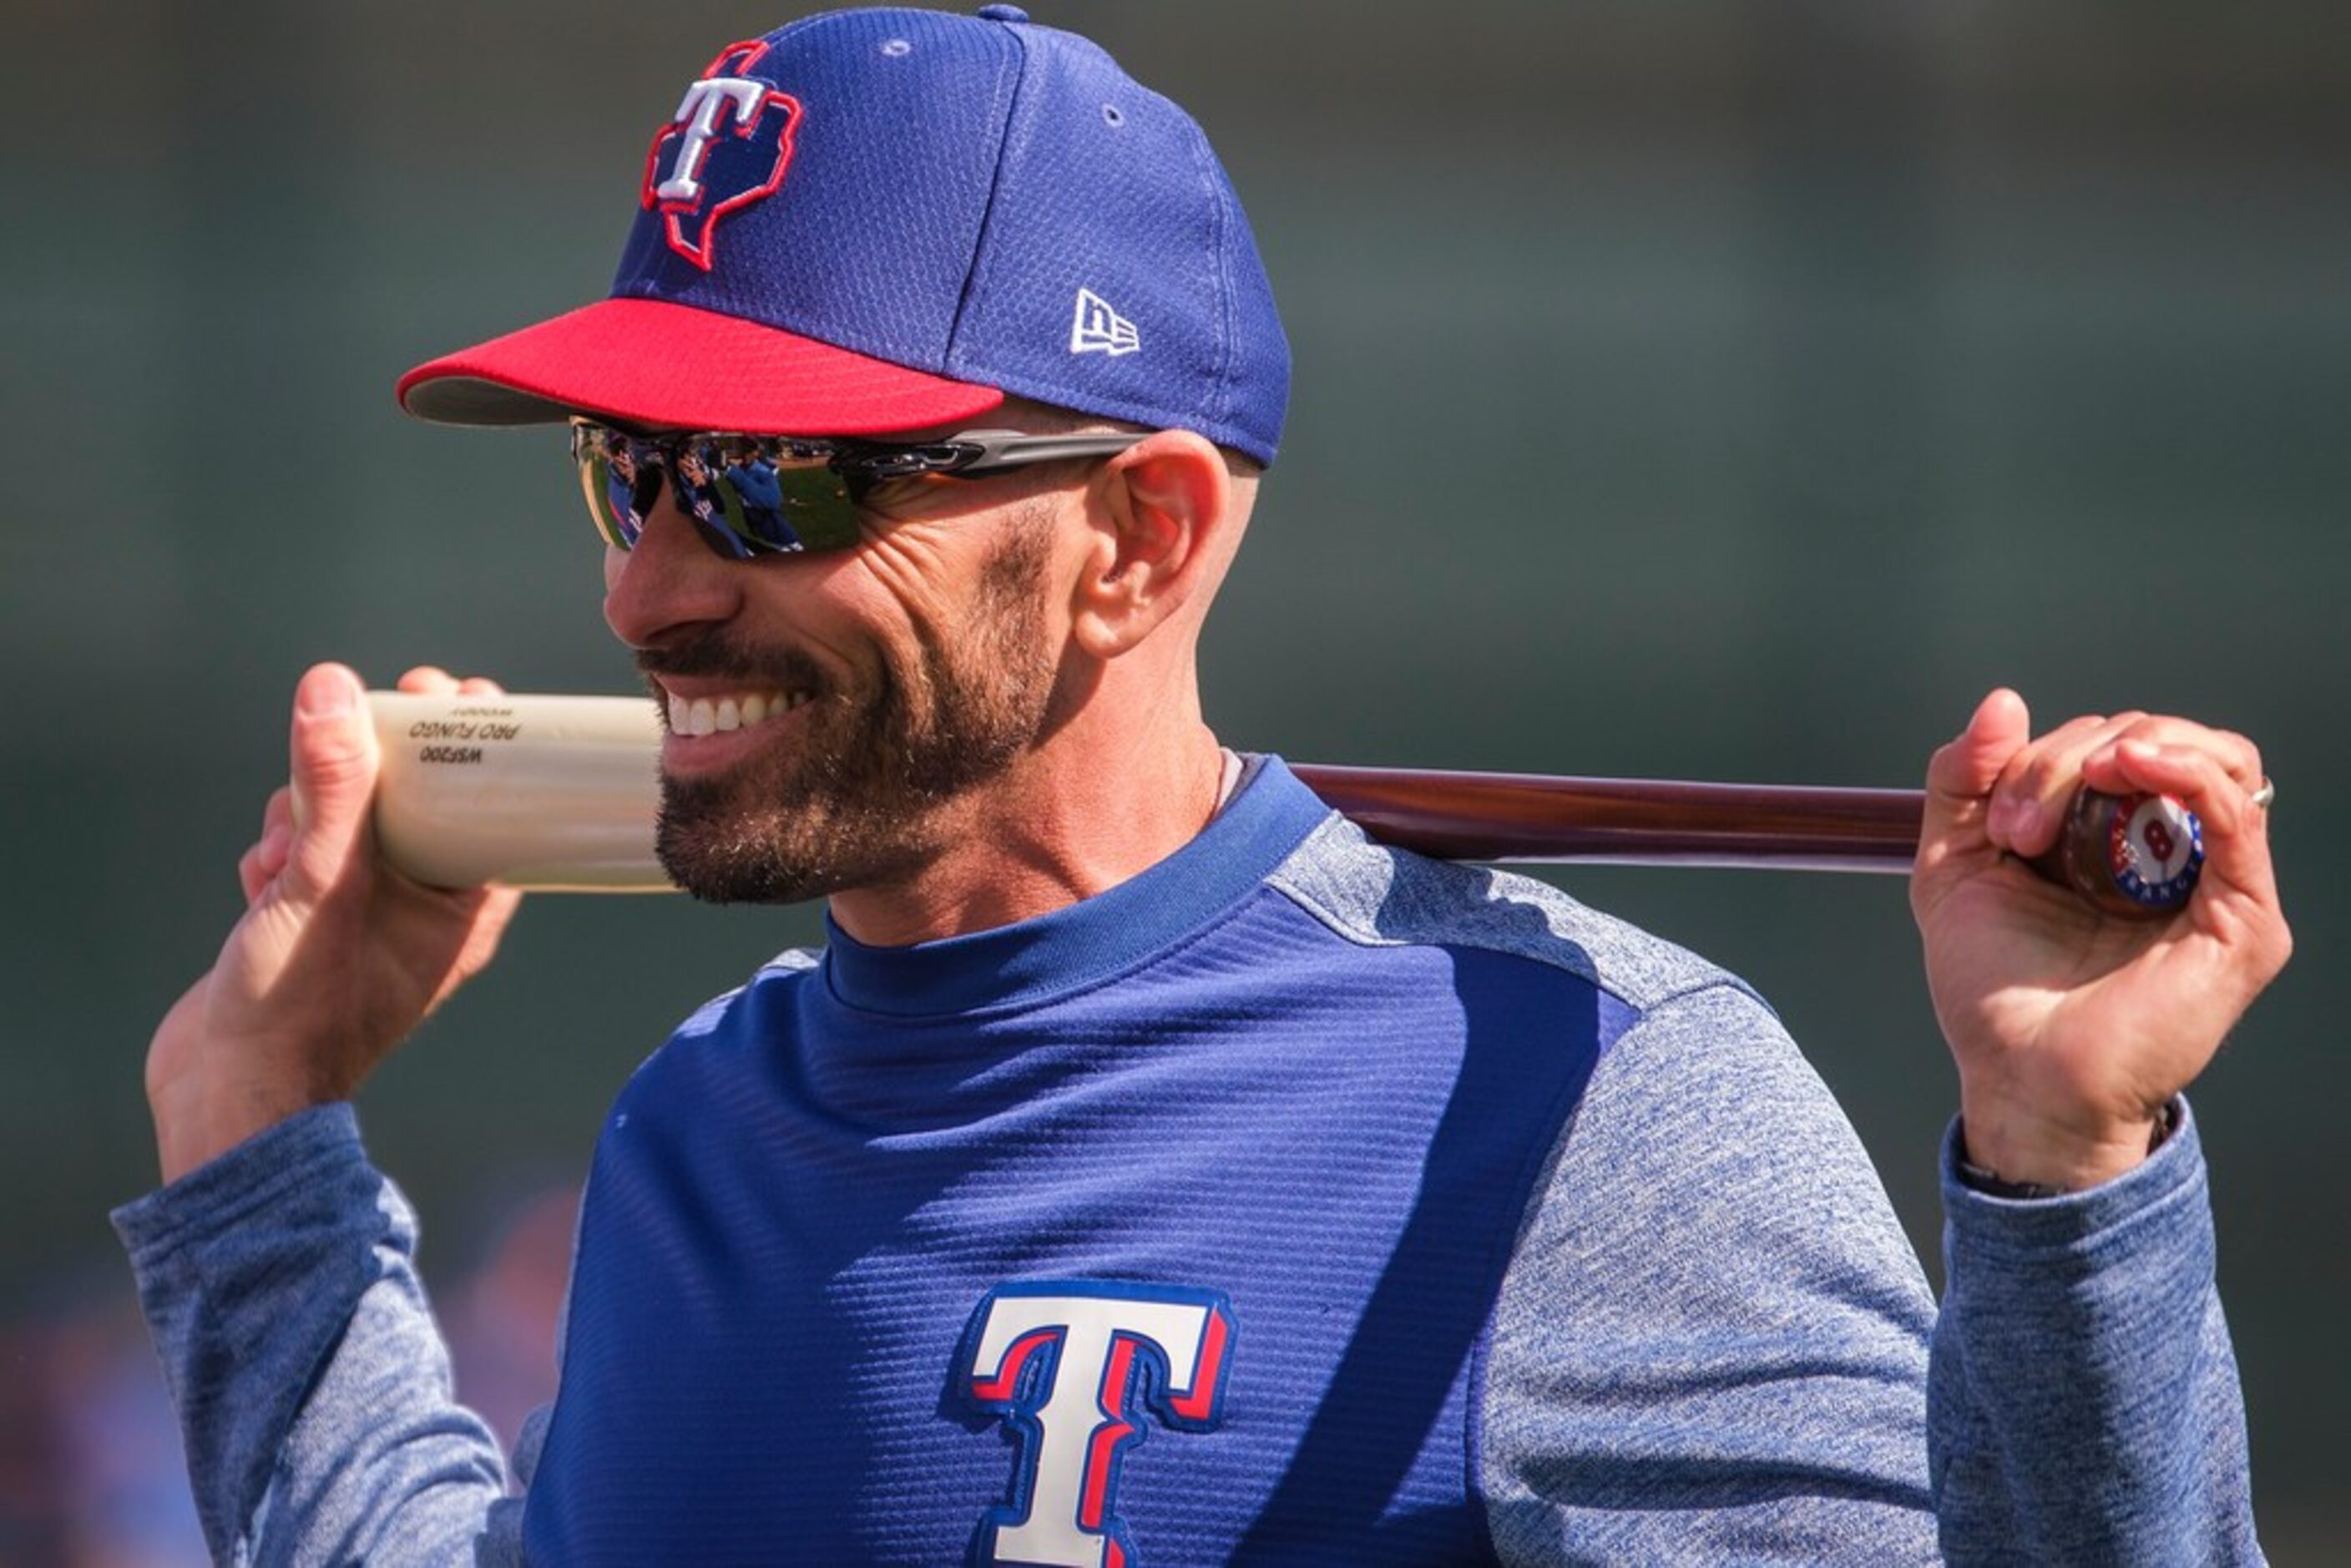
(856, 797)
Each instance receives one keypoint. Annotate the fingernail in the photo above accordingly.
(2002, 822)
(2025, 821)
(326, 697)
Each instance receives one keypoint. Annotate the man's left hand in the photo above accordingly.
(2074, 1028)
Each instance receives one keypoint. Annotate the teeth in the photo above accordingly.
(700, 715)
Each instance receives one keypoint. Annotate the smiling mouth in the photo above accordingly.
(706, 716)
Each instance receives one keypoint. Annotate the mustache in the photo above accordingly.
(715, 653)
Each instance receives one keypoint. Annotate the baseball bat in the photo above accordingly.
(560, 793)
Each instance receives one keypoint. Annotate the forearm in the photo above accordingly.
(2083, 1403)
(279, 1284)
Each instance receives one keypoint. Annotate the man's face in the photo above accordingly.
(914, 670)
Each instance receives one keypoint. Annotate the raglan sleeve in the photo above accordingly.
(312, 1384)
(2083, 1403)
(1711, 1342)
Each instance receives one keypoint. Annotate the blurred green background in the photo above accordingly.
(1729, 391)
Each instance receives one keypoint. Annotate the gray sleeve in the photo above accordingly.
(1711, 1344)
(2085, 1404)
(312, 1384)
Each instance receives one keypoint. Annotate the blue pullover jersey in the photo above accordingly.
(1163, 1229)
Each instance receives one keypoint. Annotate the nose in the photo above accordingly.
(670, 585)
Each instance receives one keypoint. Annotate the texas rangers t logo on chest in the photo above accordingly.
(1072, 1364)
(727, 147)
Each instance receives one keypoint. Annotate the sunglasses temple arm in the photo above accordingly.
(1011, 449)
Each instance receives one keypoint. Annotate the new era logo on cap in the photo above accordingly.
(1099, 329)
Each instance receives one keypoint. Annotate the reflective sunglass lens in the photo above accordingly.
(618, 491)
(811, 508)
(743, 496)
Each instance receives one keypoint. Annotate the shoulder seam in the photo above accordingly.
(1564, 952)
(1364, 937)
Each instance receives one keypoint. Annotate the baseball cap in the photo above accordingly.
(881, 220)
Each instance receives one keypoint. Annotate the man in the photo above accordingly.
(761, 499)
(621, 486)
(1149, 1169)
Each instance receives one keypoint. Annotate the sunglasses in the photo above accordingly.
(771, 494)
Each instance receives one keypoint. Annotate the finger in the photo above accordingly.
(280, 810)
(2236, 831)
(260, 866)
(427, 680)
(2239, 755)
(333, 753)
(480, 686)
(2029, 803)
(276, 833)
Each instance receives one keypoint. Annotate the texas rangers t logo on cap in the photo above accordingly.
(1068, 1363)
(727, 147)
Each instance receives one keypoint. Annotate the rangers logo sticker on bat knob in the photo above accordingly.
(2155, 849)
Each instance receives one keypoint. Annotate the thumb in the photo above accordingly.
(1961, 774)
(1963, 771)
(334, 764)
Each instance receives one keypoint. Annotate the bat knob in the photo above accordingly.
(2128, 854)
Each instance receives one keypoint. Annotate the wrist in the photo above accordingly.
(2014, 1158)
(196, 1123)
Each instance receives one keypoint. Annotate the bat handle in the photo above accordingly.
(2127, 855)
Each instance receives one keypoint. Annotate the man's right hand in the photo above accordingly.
(337, 958)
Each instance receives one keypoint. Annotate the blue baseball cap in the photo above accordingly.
(885, 220)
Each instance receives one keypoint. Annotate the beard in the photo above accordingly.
(857, 799)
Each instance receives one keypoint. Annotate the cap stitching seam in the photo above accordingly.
(1218, 409)
(983, 249)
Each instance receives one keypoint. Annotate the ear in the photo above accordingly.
(1158, 511)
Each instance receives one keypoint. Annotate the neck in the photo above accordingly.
(1103, 797)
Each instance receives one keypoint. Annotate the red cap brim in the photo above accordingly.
(647, 362)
